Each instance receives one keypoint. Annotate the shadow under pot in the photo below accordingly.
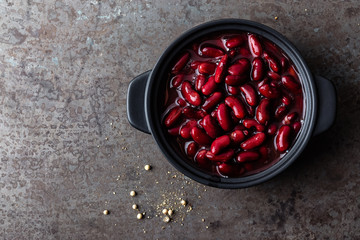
(231, 103)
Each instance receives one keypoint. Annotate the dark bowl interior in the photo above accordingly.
(156, 85)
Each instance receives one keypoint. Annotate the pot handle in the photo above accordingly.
(327, 105)
(135, 102)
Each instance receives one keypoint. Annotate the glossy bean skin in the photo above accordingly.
(186, 128)
(234, 42)
(237, 136)
(236, 106)
(222, 157)
(207, 68)
(273, 64)
(190, 94)
(223, 117)
(283, 138)
(257, 69)
(242, 66)
(192, 149)
(199, 136)
(254, 141)
(173, 116)
(263, 111)
(177, 80)
(212, 52)
(219, 144)
(247, 156)
(179, 65)
(212, 101)
(210, 126)
(200, 82)
(221, 68)
(255, 46)
(235, 80)
(250, 94)
(209, 87)
(290, 83)
(252, 123)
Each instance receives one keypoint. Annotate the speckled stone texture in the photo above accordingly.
(68, 151)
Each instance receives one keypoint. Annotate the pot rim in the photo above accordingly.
(161, 67)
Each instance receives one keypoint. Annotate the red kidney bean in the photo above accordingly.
(209, 87)
(290, 118)
(223, 117)
(241, 66)
(263, 111)
(222, 157)
(290, 83)
(220, 69)
(273, 64)
(190, 94)
(212, 52)
(255, 46)
(177, 80)
(267, 91)
(200, 136)
(213, 113)
(286, 100)
(210, 126)
(254, 141)
(235, 79)
(194, 65)
(201, 159)
(172, 117)
(284, 63)
(272, 129)
(174, 131)
(234, 42)
(181, 102)
(250, 94)
(190, 112)
(274, 76)
(280, 112)
(296, 126)
(207, 68)
(264, 154)
(212, 101)
(191, 149)
(199, 82)
(257, 69)
(226, 169)
(283, 138)
(237, 136)
(219, 144)
(232, 53)
(179, 65)
(186, 128)
(247, 156)
(236, 105)
(233, 89)
(249, 123)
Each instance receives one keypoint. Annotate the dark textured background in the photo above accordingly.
(68, 152)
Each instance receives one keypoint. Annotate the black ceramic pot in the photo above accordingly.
(146, 90)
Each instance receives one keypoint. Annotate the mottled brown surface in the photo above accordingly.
(64, 71)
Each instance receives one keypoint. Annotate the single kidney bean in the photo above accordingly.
(220, 70)
(223, 117)
(272, 129)
(263, 111)
(179, 65)
(210, 126)
(280, 112)
(235, 79)
(284, 63)
(257, 69)
(174, 131)
(234, 42)
(250, 94)
(273, 64)
(290, 83)
(186, 128)
(296, 126)
(201, 159)
(237, 136)
(233, 89)
(190, 112)
(219, 144)
(191, 149)
(209, 87)
(249, 123)
(172, 117)
(286, 100)
(190, 94)
(212, 52)
(236, 105)
(264, 154)
(283, 138)
(207, 68)
(267, 91)
(200, 136)
(177, 80)
(226, 169)
(255, 46)
(194, 65)
(181, 102)
(273, 76)
(232, 53)
(254, 141)
(212, 101)
(247, 156)
(290, 118)
(222, 157)
(241, 66)
(199, 82)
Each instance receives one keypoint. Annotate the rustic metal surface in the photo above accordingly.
(68, 152)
